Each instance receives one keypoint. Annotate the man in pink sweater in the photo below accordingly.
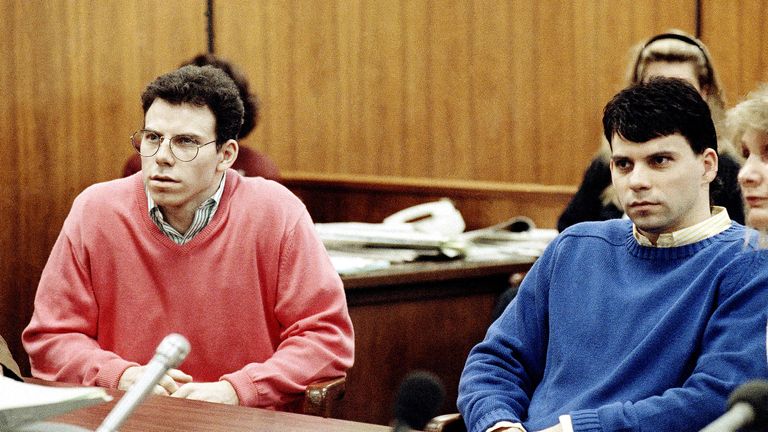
(189, 246)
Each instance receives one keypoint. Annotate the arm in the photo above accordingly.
(316, 340)
(60, 339)
(502, 371)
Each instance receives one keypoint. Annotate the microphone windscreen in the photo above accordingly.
(754, 393)
(419, 398)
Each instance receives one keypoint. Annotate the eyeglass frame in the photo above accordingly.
(170, 146)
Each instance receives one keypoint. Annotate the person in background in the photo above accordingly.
(250, 162)
(748, 124)
(190, 246)
(7, 363)
(672, 54)
(639, 324)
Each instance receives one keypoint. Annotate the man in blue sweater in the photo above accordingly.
(628, 325)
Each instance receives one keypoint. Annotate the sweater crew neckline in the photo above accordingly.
(679, 252)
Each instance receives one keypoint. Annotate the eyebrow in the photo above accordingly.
(184, 134)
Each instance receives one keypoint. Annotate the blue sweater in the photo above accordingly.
(623, 337)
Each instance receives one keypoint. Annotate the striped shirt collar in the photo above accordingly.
(203, 215)
(713, 225)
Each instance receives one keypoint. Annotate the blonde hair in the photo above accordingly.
(674, 46)
(750, 114)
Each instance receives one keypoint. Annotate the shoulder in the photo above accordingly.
(266, 197)
(109, 194)
(613, 230)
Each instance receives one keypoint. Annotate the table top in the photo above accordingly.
(434, 271)
(163, 413)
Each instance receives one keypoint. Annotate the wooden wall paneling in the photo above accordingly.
(382, 81)
(491, 108)
(345, 149)
(72, 74)
(454, 90)
(417, 110)
(332, 198)
(315, 84)
(523, 95)
(734, 32)
(451, 93)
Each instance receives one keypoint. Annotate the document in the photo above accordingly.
(22, 403)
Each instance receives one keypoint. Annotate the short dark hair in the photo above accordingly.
(204, 86)
(250, 100)
(657, 108)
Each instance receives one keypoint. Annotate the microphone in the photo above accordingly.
(169, 354)
(418, 400)
(747, 409)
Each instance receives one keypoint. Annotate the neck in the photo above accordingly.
(179, 219)
(694, 217)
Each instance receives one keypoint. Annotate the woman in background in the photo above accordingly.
(747, 124)
(673, 54)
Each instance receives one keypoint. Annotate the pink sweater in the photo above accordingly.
(254, 292)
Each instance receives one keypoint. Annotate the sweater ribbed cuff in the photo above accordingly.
(585, 421)
(111, 371)
(246, 390)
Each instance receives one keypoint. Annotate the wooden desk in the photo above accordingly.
(417, 316)
(162, 413)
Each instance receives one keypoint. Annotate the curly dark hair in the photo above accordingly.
(250, 100)
(202, 86)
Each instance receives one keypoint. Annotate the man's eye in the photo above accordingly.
(660, 160)
(152, 137)
(622, 164)
(186, 141)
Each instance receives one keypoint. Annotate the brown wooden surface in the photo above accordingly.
(332, 198)
(162, 413)
(424, 316)
(506, 91)
(738, 45)
(485, 91)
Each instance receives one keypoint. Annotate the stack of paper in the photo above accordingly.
(354, 236)
(22, 403)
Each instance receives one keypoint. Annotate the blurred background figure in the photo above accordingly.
(673, 54)
(249, 162)
(747, 125)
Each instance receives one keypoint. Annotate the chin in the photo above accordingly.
(758, 219)
(164, 199)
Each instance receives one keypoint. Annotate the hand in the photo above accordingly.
(169, 383)
(219, 392)
(555, 428)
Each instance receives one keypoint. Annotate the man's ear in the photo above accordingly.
(227, 155)
(710, 159)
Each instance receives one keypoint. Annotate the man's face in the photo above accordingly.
(180, 187)
(662, 184)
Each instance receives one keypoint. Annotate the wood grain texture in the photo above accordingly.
(734, 32)
(489, 90)
(417, 99)
(71, 76)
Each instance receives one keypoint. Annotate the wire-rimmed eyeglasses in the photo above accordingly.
(183, 147)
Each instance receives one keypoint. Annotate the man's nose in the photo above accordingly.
(164, 153)
(640, 177)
